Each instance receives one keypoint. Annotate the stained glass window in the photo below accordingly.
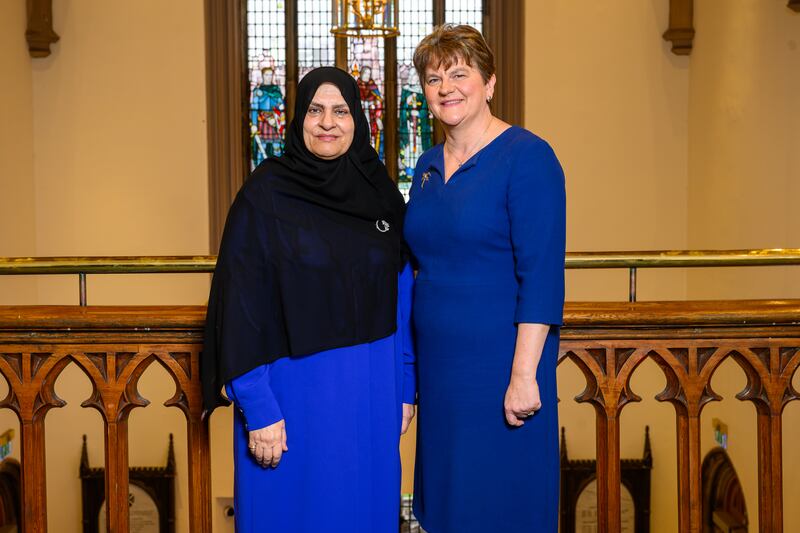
(365, 59)
(315, 44)
(415, 122)
(464, 12)
(408, 115)
(266, 65)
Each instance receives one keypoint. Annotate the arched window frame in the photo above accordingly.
(227, 88)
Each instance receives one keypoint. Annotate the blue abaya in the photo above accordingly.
(343, 412)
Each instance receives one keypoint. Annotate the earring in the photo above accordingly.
(488, 99)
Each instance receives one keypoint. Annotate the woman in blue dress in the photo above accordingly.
(486, 225)
(308, 327)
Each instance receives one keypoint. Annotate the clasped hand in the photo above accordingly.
(268, 444)
(522, 400)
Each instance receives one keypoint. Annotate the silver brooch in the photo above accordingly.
(425, 177)
(382, 226)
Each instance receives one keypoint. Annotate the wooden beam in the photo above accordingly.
(681, 26)
(438, 20)
(390, 107)
(340, 53)
(292, 77)
(503, 27)
(226, 90)
(40, 34)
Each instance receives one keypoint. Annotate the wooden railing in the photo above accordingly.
(607, 341)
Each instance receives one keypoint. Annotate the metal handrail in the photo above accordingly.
(574, 260)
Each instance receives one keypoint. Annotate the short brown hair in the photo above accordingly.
(448, 43)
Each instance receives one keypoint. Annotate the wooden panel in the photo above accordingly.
(504, 22)
(607, 341)
(390, 107)
(226, 98)
(291, 58)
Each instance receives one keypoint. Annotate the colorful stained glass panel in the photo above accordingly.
(464, 12)
(315, 44)
(266, 64)
(365, 60)
(415, 122)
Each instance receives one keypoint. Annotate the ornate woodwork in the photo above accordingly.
(681, 26)
(40, 34)
(113, 346)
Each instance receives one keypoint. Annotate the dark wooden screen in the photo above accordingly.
(607, 341)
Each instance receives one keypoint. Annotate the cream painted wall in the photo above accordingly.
(17, 205)
(744, 156)
(744, 188)
(604, 89)
(102, 151)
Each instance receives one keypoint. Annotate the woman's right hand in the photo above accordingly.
(268, 444)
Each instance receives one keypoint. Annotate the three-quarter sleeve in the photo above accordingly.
(252, 395)
(537, 214)
(405, 334)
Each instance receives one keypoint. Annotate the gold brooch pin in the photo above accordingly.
(425, 177)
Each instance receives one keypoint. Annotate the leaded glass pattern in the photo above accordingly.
(266, 65)
(315, 44)
(464, 12)
(415, 122)
(365, 59)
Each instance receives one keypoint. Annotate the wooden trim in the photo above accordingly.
(681, 26)
(113, 346)
(340, 53)
(34, 482)
(439, 11)
(390, 110)
(504, 29)
(291, 58)
(40, 34)
(226, 87)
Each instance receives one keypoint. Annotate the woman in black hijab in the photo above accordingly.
(308, 326)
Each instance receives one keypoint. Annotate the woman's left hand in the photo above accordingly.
(408, 415)
(522, 400)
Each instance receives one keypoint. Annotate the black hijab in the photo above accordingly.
(310, 253)
(355, 184)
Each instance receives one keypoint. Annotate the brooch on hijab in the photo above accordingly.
(382, 226)
(425, 177)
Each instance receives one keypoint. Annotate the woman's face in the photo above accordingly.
(328, 127)
(456, 93)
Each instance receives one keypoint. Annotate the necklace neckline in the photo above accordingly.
(472, 150)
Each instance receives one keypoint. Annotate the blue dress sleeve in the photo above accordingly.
(406, 335)
(253, 397)
(537, 214)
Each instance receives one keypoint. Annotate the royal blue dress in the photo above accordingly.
(343, 412)
(490, 251)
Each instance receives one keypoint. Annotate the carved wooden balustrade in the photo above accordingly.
(608, 341)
